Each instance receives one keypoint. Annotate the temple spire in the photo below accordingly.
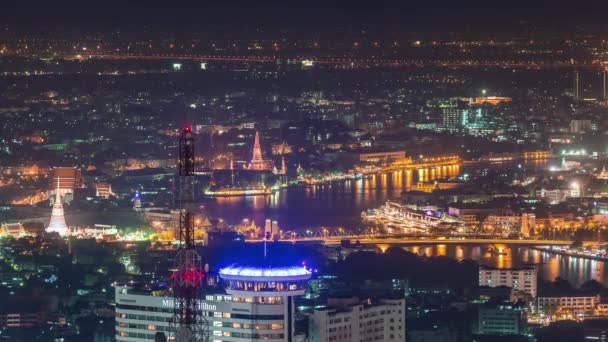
(57, 223)
(257, 150)
(57, 196)
(283, 167)
(257, 162)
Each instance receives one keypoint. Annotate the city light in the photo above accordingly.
(303, 172)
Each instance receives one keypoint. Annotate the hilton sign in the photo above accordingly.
(203, 306)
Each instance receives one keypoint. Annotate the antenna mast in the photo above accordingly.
(188, 323)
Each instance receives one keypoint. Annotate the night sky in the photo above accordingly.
(405, 13)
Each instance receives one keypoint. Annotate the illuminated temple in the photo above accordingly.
(257, 162)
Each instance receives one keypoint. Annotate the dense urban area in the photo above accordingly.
(334, 183)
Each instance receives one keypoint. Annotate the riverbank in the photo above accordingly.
(566, 251)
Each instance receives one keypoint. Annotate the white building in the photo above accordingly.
(554, 196)
(162, 217)
(582, 126)
(521, 279)
(352, 320)
(568, 304)
(258, 305)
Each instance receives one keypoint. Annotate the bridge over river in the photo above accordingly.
(390, 241)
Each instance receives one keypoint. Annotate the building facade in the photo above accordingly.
(500, 320)
(574, 305)
(358, 321)
(521, 279)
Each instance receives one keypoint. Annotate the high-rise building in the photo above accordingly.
(500, 319)
(352, 320)
(521, 279)
(258, 304)
(455, 118)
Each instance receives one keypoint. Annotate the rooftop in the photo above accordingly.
(261, 273)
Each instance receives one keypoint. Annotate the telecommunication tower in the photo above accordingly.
(188, 324)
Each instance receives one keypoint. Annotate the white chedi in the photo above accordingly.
(57, 223)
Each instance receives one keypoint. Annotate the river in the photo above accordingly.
(550, 266)
(338, 204)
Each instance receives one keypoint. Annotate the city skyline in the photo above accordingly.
(316, 171)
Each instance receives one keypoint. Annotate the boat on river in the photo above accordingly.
(401, 216)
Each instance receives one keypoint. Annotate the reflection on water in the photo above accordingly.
(335, 204)
(550, 266)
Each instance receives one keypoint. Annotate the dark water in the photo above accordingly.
(550, 266)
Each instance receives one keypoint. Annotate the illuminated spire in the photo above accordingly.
(57, 196)
(257, 150)
(283, 170)
(232, 171)
(57, 223)
(137, 202)
(283, 167)
(257, 163)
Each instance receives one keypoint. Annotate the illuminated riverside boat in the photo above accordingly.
(402, 217)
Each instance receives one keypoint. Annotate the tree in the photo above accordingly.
(592, 286)
(576, 244)
(550, 310)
